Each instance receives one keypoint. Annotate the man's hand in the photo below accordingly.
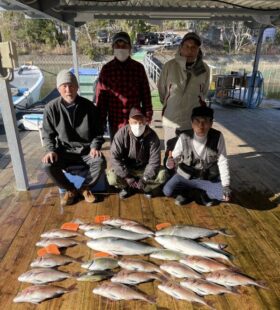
(95, 153)
(50, 157)
(170, 163)
(131, 182)
(227, 193)
(141, 184)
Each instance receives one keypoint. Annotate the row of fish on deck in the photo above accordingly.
(202, 267)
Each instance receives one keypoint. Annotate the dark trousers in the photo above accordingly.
(84, 165)
(179, 185)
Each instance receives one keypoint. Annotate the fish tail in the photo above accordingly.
(78, 259)
(163, 276)
(224, 232)
(71, 288)
(150, 299)
(75, 274)
(261, 284)
(233, 290)
(209, 304)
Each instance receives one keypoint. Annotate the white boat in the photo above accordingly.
(26, 86)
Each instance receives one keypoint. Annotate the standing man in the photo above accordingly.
(122, 84)
(72, 136)
(202, 166)
(183, 84)
(135, 157)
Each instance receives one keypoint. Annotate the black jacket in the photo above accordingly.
(60, 134)
(129, 152)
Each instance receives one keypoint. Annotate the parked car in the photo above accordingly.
(103, 36)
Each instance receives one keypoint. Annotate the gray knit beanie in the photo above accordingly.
(65, 76)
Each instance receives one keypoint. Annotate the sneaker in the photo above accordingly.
(205, 200)
(181, 200)
(88, 195)
(124, 193)
(148, 195)
(69, 197)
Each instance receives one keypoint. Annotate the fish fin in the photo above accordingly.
(224, 232)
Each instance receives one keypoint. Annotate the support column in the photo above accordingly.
(74, 52)
(12, 134)
(255, 67)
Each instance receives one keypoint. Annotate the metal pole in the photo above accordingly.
(74, 52)
(10, 124)
(255, 67)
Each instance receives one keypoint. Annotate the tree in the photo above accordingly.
(236, 35)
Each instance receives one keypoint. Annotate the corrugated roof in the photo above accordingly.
(78, 11)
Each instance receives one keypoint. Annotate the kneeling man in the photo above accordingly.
(135, 157)
(201, 161)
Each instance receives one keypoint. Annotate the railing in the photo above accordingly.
(152, 68)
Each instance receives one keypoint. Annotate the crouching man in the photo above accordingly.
(201, 161)
(135, 158)
(72, 137)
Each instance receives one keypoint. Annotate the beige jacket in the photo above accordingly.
(179, 90)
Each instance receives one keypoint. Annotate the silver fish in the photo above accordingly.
(87, 227)
(118, 291)
(60, 233)
(167, 255)
(104, 232)
(203, 264)
(137, 228)
(203, 287)
(179, 270)
(100, 263)
(190, 247)
(118, 222)
(52, 260)
(214, 245)
(138, 265)
(190, 232)
(177, 291)
(60, 242)
(94, 276)
(38, 293)
(135, 277)
(117, 246)
(43, 275)
(231, 278)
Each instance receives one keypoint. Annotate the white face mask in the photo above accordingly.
(137, 129)
(121, 54)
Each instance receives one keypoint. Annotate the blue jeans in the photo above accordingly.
(179, 185)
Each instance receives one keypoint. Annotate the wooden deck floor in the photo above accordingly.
(252, 138)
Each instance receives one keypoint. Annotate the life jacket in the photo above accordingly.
(193, 166)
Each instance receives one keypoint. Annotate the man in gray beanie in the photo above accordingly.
(72, 136)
